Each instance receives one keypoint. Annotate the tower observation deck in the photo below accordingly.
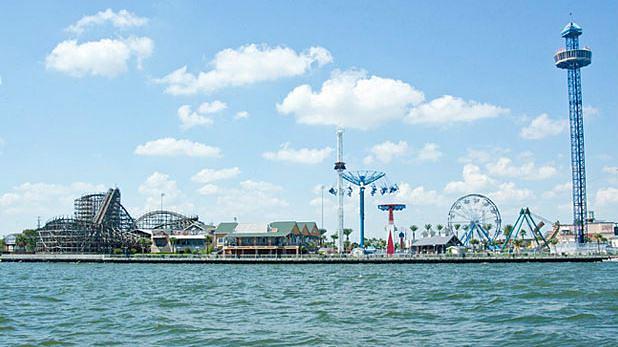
(572, 58)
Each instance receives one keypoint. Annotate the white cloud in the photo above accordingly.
(351, 99)
(173, 147)
(543, 126)
(558, 190)
(121, 19)
(241, 115)
(418, 196)
(106, 57)
(20, 206)
(212, 175)
(159, 183)
(245, 65)
(449, 109)
(300, 156)
(252, 201)
(612, 170)
(508, 193)
(386, 151)
(590, 111)
(606, 196)
(473, 181)
(429, 152)
(190, 119)
(212, 107)
(482, 155)
(504, 167)
(208, 189)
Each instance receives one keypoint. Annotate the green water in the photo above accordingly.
(334, 305)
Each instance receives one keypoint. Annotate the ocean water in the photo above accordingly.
(287, 305)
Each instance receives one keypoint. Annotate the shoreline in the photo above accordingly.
(103, 258)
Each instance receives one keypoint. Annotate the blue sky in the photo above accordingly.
(447, 98)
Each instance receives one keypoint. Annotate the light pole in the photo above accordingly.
(322, 223)
(162, 195)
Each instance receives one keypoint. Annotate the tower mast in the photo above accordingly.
(340, 168)
(572, 58)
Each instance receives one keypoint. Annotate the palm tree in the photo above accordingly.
(518, 244)
(173, 244)
(439, 227)
(334, 237)
(413, 228)
(427, 230)
(474, 242)
(347, 233)
(322, 235)
(457, 227)
(599, 238)
(508, 229)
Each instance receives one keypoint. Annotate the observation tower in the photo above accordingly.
(572, 58)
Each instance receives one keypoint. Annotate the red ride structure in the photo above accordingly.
(391, 208)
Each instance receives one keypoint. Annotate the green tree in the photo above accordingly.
(2, 245)
(439, 227)
(507, 230)
(322, 235)
(413, 228)
(599, 238)
(144, 243)
(457, 227)
(334, 236)
(347, 233)
(474, 242)
(173, 241)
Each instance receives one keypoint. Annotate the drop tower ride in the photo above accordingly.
(572, 58)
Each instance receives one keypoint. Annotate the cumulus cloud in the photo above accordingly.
(213, 175)
(106, 57)
(508, 193)
(177, 147)
(558, 190)
(590, 111)
(386, 151)
(122, 19)
(190, 119)
(606, 196)
(473, 180)
(418, 196)
(612, 170)
(252, 201)
(22, 204)
(429, 152)
(241, 115)
(449, 109)
(351, 99)
(160, 183)
(543, 126)
(245, 65)
(300, 156)
(208, 189)
(504, 167)
(212, 107)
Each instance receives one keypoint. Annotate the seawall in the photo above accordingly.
(100, 258)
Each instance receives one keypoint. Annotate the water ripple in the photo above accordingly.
(308, 305)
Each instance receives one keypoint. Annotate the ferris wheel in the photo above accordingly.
(474, 216)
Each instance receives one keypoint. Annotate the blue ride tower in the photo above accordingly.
(572, 58)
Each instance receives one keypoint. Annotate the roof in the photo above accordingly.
(226, 228)
(571, 29)
(309, 225)
(436, 240)
(269, 234)
(245, 228)
(286, 226)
